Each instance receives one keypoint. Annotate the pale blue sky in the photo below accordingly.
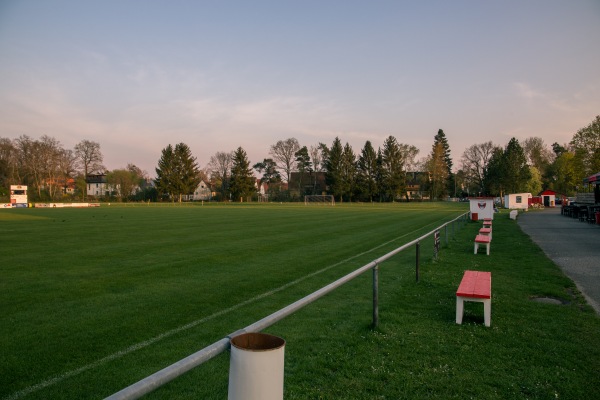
(138, 75)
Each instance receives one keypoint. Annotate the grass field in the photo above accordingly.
(82, 286)
(93, 300)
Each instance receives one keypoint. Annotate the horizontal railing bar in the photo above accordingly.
(177, 369)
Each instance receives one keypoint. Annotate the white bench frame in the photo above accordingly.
(487, 308)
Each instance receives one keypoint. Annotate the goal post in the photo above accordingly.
(319, 199)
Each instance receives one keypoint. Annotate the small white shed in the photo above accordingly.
(481, 207)
(518, 201)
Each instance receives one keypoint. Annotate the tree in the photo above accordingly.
(270, 175)
(516, 170)
(269, 172)
(177, 173)
(7, 162)
(187, 171)
(438, 172)
(537, 153)
(67, 165)
(165, 172)
(564, 176)
(333, 166)
(393, 180)
(123, 182)
(316, 158)
(89, 157)
(534, 184)
(586, 146)
(348, 171)
(507, 170)
(493, 181)
(242, 180)
(304, 165)
(220, 168)
(283, 153)
(367, 172)
(441, 140)
(38, 164)
(475, 160)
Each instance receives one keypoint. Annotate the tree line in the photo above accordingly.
(387, 173)
(54, 173)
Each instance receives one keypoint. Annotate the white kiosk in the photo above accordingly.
(18, 196)
(481, 207)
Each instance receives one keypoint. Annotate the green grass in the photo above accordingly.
(79, 286)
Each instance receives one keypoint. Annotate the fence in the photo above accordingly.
(177, 369)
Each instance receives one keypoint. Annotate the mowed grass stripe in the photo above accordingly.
(87, 283)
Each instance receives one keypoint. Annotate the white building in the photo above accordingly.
(517, 201)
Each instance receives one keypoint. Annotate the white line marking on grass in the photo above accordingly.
(70, 374)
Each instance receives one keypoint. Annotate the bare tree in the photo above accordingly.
(220, 171)
(89, 157)
(538, 154)
(284, 154)
(67, 167)
(7, 161)
(475, 160)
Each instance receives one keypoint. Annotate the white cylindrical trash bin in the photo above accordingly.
(256, 367)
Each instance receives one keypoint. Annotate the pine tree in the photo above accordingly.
(517, 172)
(242, 180)
(164, 173)
(440, 139)
(348, 171)
(393, 174)
(333, 166)
(187, 173)
(367, 172)
(177, 173)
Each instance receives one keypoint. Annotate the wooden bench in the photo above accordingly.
(475, 286)
(480, 239)
(486, 232)
(487, 224)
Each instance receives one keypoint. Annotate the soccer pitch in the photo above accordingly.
(93, 300)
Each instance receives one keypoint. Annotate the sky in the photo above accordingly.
(136, 76)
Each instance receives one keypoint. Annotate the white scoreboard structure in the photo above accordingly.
(18, 196)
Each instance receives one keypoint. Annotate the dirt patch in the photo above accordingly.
(549, 300)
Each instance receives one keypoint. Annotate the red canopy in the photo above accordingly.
(593, 178)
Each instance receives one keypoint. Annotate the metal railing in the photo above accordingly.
(177, 369)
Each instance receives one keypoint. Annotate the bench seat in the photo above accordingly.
(475, 286)
(486, 232)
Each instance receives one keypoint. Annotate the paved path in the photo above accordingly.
(571, 244)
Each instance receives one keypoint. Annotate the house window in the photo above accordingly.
(518, 199)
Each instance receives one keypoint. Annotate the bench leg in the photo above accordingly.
(487, 248)
(460, 307)
(487, 309)
(487, 312)
(476, 247)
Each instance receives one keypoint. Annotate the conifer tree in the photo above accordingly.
(367, 172)
(177, 173)
(333, 166)
(242, 181)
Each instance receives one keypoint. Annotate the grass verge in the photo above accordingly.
(532, 350)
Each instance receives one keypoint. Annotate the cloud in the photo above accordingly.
(526, 91)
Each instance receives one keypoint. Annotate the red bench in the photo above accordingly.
(486, 232)
(475, 286)
(481, 239)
